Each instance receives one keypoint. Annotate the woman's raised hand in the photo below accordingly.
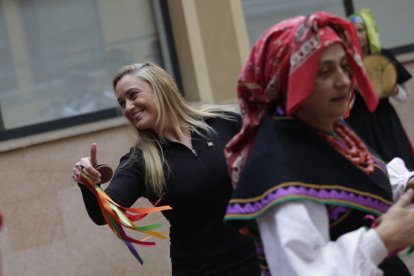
(86, 165)
(396, 228)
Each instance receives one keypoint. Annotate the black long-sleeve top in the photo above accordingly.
(198, 190)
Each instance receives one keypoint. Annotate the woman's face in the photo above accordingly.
(329, 99)
(136, 99)
(362, 36)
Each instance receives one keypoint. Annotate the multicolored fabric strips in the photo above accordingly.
(118, 217)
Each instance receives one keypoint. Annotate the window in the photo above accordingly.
(58, 58)
(389, 15)
(261, 14)
(394, 20)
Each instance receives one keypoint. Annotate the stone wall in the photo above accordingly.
(46, 228)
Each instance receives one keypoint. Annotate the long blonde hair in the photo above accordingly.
(168, 102)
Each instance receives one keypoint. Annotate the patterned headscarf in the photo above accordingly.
(281, 70)
(365, 16)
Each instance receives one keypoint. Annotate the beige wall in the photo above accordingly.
(212, 45)
(406, 113)
(46, 228)
(406, 109)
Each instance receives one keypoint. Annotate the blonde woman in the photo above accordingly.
(178, 153)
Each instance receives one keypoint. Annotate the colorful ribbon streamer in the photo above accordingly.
(118, 217)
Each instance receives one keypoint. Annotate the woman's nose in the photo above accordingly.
(343, 78)
(128, 106)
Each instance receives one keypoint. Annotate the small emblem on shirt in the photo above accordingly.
(210, 144)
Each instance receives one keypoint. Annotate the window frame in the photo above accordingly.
(169, 55)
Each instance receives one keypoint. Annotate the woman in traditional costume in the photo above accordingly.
(381, 129)
(302, 177)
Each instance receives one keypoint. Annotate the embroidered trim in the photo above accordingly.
(340, 218)
(330, 195)
(304, 51)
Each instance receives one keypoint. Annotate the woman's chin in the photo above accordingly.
(141, 126)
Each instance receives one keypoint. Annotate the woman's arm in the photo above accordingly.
(400, 93)
(295, 236)
(399, 177)
(126, 186)
(296, 241)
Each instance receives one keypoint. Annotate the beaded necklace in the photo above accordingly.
(350, 145)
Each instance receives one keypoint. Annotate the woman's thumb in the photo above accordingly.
(406, 198)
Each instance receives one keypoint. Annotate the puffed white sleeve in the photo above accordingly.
(401, 95)
(399, 176)
(296, 241)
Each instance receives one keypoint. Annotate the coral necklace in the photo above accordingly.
(350, 145)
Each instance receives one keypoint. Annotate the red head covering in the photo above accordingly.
(282, 68)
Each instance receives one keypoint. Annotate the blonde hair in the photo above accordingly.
(168, 102)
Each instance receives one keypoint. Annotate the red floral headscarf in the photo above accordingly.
(282, 68)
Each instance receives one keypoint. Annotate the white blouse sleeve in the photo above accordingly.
(402, 94)
(296, 241)
(399, 176)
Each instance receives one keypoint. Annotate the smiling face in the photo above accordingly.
(329, 99)
(136, 99)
